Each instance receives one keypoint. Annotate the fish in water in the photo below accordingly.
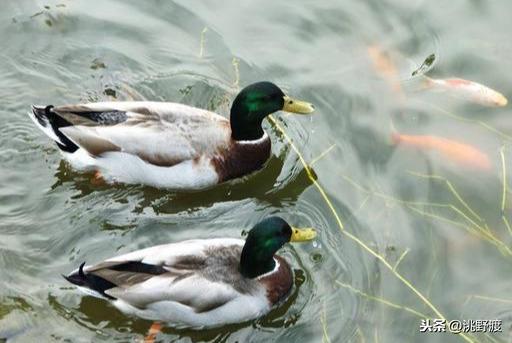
(384, 66)
(461, 153)
(469, 90)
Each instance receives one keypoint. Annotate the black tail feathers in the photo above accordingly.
(42, 114)
(91, 281)
(46, 116)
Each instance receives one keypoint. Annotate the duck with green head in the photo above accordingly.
(199, 283)
(164, 144)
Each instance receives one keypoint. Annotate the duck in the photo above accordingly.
(198, 283)
(164, 144)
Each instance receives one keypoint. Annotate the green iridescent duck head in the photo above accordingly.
(257, 101)
(264, 240)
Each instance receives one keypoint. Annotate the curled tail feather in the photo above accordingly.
(49, 122)
(90, 281)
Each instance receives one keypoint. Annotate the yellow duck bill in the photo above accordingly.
(297, 106)
(302, 235)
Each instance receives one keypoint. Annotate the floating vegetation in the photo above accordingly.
(110, 92)
(37, 14)
(51, 17)
(425, 66)
(97, 64)
(185, 90)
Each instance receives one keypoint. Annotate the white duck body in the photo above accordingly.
(194, 283)
(160, 144)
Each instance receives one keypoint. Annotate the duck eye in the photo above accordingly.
(290, 102)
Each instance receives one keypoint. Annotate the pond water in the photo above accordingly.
(419, 235)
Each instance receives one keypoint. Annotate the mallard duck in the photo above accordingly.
(199, 283)
(167, 145)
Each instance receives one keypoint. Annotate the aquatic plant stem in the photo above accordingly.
(504, 178)
(481, 231)
(201, 42)
(236, 66)
(325, 337)
(450, 187)
(482, 228)
(309, 172)
(382, 300)
(504, 192)
(353, 237)
(487, 298)
(406, 251)
(360, 333)
(467, 120)
(322, 155)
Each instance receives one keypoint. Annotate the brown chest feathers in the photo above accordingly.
(240, 159)
(278, 284)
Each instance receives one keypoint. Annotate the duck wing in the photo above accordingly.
(160, 133)
(199, 274)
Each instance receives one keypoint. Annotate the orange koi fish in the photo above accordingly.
(384, 66)
(469, 90)
(461, 153)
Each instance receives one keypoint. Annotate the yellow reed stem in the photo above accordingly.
(236, 66)
(484, 229)
(467, 120)
(201, 42)
(450, 187)
(309, 173)
(381, 300)
(319, 157)
(504, 190)
(406, 251)
(325, 337)
(363, 203)
(360, 334)
(507, 224)
(504, 178)
(493, 299)
(481, 231)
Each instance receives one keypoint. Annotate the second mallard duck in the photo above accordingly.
(199, 283)
(167, 145)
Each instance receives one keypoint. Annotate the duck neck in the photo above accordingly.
(245, 125)
(255, 261)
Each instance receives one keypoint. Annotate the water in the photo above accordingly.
(52, 218)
